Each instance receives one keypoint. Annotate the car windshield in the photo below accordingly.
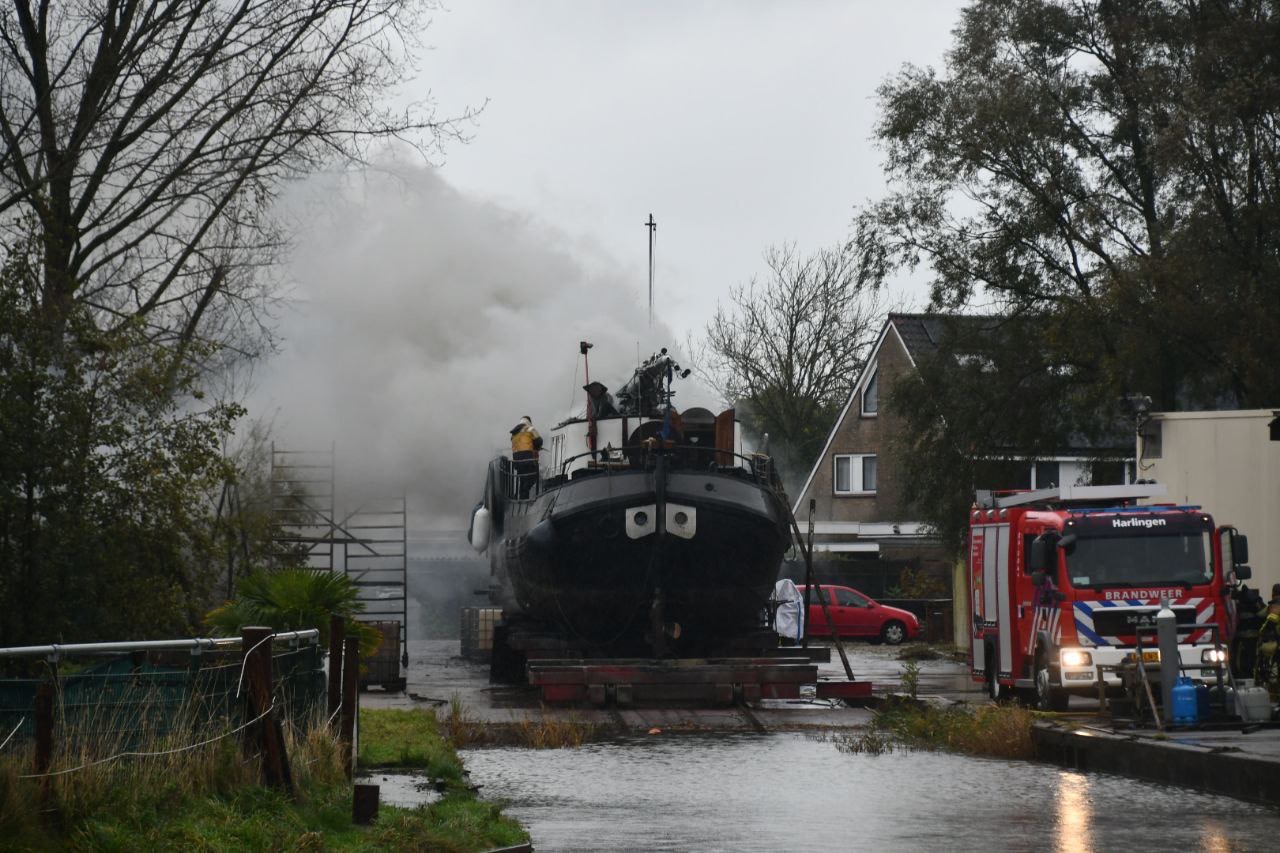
(1181, 558)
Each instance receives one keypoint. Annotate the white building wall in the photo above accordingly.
(1226, 463)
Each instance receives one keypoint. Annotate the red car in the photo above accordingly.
(856, 615)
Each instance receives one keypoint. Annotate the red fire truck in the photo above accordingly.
(1060, 579)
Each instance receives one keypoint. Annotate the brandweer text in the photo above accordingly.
(1120, 594)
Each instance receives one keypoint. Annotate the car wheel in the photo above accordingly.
(1048, 697)
(893, 632)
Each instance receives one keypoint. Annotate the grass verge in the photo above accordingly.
(992, 731)
(390, 737)
(210, 797)
(256, 818)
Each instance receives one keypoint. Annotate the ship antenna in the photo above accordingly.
(653, 228)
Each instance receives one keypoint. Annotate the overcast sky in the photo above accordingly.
(431, 307)
(737, 124)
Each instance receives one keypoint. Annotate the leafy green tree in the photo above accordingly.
(790, 346)
(1105, 176)
(1028, 407)
(107, 457)
(1110, 169)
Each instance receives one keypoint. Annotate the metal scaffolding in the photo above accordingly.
(368, 543)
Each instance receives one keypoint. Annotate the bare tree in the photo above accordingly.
(790, 346)
(144, 141)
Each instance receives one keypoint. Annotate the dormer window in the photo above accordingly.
(871, 395)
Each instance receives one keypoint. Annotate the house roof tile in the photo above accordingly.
(921, 333)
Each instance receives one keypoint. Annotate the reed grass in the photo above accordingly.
(910, 679)
(995, 731)
(543, 732)
(210, 796)
(555, 733)
(461, 728)
(991, 731)
(919, 652)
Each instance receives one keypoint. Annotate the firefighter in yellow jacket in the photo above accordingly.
(525, 444)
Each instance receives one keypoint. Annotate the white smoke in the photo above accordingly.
(425, 323)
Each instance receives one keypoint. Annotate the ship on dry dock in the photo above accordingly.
(646, 531)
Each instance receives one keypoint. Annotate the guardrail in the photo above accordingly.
(194, 644)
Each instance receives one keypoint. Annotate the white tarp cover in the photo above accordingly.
(789, 621)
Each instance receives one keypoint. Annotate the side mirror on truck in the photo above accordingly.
(1038, 558)
(1243, 573)
(1239, 548)
(1067, 543)
(1042, 559)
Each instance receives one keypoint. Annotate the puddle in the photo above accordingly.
(402, 788)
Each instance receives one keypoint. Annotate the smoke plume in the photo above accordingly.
(424, 323)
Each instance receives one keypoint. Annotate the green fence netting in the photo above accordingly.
(130, 699)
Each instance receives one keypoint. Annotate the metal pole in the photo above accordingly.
(1167, 634)
(44, 728)
(583, 346)
(826, 611)
(337, 634)
(61, 650)
(652, 226)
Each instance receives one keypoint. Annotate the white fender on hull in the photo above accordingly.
(480, 523)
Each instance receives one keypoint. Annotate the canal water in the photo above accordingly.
(791, 792)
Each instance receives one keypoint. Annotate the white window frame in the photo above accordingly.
(872, 376)
(856, 463)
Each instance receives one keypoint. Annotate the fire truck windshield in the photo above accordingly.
(1184, 558)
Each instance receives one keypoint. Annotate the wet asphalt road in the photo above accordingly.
(438, 675)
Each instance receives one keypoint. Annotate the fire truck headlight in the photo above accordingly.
(1214, 656)
(1075, 657)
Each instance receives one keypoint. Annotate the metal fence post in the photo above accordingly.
(350, 702)
(268, 734)
(44, 728)
(337, 635)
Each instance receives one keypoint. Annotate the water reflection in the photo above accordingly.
(789, 792)
(1214, 838)
(1074, 817)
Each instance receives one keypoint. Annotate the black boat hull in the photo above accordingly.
(574, 562)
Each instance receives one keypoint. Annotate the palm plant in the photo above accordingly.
(293, 599)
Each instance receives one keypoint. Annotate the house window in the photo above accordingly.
(855, 474)
(1047, 475)
(1107, 472)
(871, 395)
(1152, 435)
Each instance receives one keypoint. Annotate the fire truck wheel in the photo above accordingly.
(1048, 697)
(893, 633)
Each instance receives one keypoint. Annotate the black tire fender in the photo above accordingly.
(991, 673)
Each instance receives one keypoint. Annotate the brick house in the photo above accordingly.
(860, 513)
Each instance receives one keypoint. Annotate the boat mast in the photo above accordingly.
(653, 227)
(583, 346)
